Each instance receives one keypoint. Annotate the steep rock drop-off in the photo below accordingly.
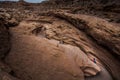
(5, 45)
(4, 40)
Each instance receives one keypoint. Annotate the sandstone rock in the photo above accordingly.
(87, 66)
(5, 23)
(5, 72)
(6, 76)
(100, 31)
(103, 32)
(33, 57)
(5, 16)
(4, 67)
(4, 40)
(41, 59)
(62, 63)
(103, 75)
(8, 20)
(11, 23)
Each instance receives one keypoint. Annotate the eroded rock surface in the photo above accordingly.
(5, 45)
(4, 38)
(69, 35)
(103, 32)
(44, 59)
(58, 46)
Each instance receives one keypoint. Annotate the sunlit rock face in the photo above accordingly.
(88, 67)
(60, 61)
(102, 31)
(40, 58)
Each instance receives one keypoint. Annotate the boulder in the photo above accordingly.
(43, 60)
(9, 20)
(11, 23)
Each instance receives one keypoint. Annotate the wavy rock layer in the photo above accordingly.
(42, 59)
(103, 33)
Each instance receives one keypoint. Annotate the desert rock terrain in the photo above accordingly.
(60, 40)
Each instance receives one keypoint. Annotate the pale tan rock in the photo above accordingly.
(64, 59)
(36, 58)
(103, 32)
(88, 67)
